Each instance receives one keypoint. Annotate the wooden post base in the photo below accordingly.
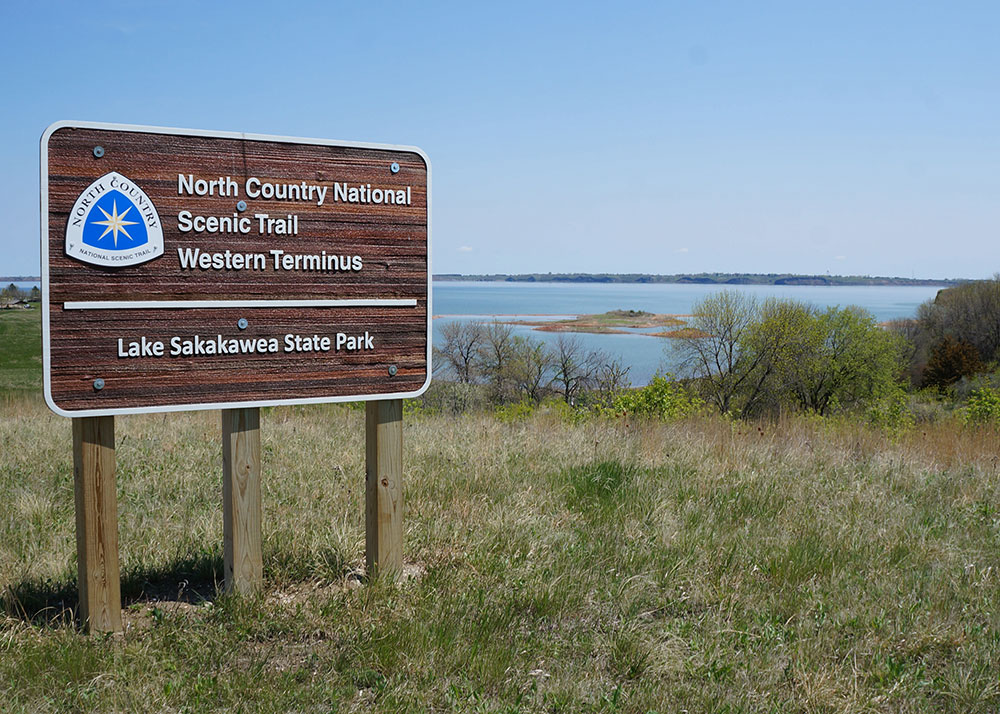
(98, 575)
(241, 510)
(383, 487)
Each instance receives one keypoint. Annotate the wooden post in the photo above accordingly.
(241, 499)
(383, 487)
(98, 575)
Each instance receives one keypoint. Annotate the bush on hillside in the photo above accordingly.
(892, 411)
(661, 398)
(984, 406)
(950, 360)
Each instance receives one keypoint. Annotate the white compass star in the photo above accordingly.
(115, 222)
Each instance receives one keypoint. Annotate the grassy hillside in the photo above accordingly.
(610, 566)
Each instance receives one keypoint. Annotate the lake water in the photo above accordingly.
(645, 355)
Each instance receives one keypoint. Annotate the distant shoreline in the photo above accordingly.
(721, 279)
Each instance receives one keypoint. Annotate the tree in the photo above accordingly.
(610, 379)
(784, 335)
(752, 357)
(573, 369)
(496, 355)
(908, 331)
(949, 361)
(10, 294)
(856, 361)
(530, 367)
(713, 350)
(459, 348)
(968, 313)
(971, 313)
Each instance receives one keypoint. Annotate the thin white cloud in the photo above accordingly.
(840, 257)
(681, 250)
(465, 248)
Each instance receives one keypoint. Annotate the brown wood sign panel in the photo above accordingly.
(193, 270)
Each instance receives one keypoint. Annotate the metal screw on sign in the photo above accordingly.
(98, 151)
(241, 206)
(394, 167)
(392, 370)
(242, 323)
(98, 384)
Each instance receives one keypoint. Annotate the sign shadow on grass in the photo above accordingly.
(191, 579)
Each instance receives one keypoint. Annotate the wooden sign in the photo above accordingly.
(194, 270)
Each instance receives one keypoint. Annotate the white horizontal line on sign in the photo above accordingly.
(183, 304)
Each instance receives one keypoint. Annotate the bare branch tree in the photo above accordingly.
(712, 349)
(611, 378)
(530, 368)
(496, 355)
(573, 368)
(459, 348)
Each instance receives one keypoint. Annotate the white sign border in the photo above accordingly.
(44, 206)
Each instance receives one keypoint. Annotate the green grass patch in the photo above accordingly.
(21, 351)
(596, 484)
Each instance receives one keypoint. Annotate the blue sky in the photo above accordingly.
(848, 137)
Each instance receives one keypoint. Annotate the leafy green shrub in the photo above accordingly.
(984, 406)
(515, 411)
(575, 413)
(418, 407)
(661, 398)
(892, 411)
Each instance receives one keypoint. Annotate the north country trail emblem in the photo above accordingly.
(114, 223)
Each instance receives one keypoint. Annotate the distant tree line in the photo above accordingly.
(12, 294)
(721, 279)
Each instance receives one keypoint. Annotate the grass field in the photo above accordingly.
(601, 566)
(20, 351)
